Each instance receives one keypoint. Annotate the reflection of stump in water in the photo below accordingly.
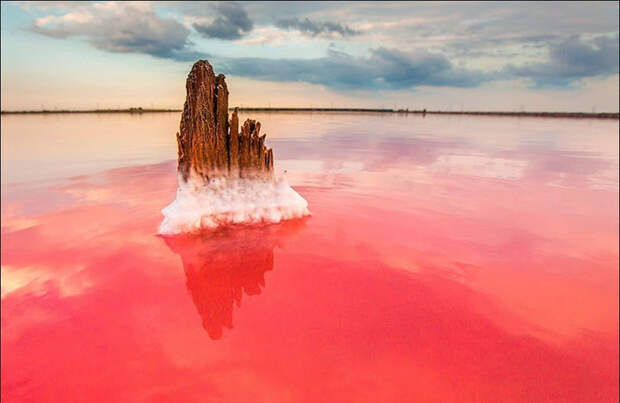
(221, 266)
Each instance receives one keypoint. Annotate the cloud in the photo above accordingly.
(383, 68)
(490, 36)
(120, 28)
(50, 5)
(572, 60)
(504, 47)
(469, 31)
(314, 28)
(232, 22)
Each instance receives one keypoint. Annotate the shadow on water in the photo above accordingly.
(221, 266)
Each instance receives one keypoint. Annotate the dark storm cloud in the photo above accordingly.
(314, 28)
(232, 22)
(122, 28)
(572, 60)
(381, 69)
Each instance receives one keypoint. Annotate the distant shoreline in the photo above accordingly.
(603, 115)
(575, 115)
(127, 110)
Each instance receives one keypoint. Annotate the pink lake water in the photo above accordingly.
(449, 259)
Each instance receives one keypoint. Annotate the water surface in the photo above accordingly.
(446, 259)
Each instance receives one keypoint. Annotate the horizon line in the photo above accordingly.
(140, 110)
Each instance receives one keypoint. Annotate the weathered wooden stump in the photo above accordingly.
(210, 145)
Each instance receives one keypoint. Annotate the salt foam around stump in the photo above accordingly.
(224, 201)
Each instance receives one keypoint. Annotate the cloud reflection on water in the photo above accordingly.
(409, 282)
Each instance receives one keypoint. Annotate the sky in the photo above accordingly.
(510, 56)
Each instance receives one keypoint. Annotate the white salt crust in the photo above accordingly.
(224, 201)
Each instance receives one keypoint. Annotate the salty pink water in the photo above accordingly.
(446, 259)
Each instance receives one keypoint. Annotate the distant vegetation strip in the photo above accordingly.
(128, 110)
(603, 115)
